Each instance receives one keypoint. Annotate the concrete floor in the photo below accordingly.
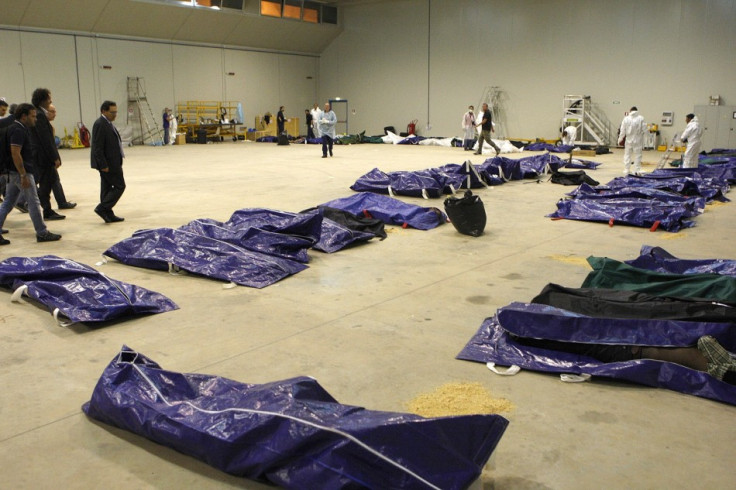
(377, 324)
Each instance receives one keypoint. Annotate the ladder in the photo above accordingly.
(591, 123)
(666, 157)
(140, 111)
(493, 96)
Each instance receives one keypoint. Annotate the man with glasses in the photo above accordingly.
(107, 157)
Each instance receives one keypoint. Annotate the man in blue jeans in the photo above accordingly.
(20, 167)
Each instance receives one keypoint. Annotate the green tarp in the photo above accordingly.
(612, 274)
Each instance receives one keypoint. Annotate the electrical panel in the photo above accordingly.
(667, 118)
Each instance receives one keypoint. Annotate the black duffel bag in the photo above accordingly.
(467, 214)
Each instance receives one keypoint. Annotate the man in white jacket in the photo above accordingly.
(632, 131)
(691, 136)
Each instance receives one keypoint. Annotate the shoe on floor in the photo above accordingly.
(324, 156)
(114, 219)
(53, 216)
(3, 231)
(4, 241)
(23, 208)
(330, 152)
(476, 153)
(68, 205)
(105, 215)
(48, 237)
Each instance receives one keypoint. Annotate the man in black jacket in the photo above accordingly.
(46, 156)
(107, 157)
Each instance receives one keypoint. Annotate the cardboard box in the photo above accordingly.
(584, 153)
(181, 139)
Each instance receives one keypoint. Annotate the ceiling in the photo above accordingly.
(171, 22)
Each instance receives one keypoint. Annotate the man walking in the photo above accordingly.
(46, 156)
(486, 125)
(20, 169)
(327, 129)
(107, 157)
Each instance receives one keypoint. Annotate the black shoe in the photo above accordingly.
(3, 231)
(4, 241)
(68, 205)
(114, 219)
(53, 216)
(476, 153)
(23, 208)
(105, 215)
(330, 152)
(324, 156)
(48, 237)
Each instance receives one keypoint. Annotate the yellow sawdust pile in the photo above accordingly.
(570, 260)
(458, 399)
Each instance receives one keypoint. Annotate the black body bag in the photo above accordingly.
(467, 214)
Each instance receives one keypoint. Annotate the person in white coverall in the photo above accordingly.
(691, 136)
(469, 128)
(632, 130)
(568, 135)
(316, 116)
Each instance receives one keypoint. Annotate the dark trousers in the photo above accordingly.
(326, 144)
(112, 186)
(166, 135)
(58, 191)
(48, 176)
(310, 132)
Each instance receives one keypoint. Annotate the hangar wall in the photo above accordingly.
(72, 67)
(429, 59)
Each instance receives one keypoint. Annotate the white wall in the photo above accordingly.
(657, 54)
(172, 73)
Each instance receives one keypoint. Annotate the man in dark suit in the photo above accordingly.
(107, 157)
(46, 157)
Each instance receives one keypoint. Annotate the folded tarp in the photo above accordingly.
(613, 303)
(548, 147)
(670, 216)
(77, 291)
(612, 274)
(500, 340)
(389, 210)
(341, 229)
(291, 433)
(166, 248)
(694, 205)
(579, 163)
(529, 167)
(278, 233)
(659, 260)
(723, 172)
(429, 183)
(686, 185)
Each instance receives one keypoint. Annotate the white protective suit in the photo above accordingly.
(468, 125)
(173, 126)
(692, 135)
(316, 116)
(568, 138)
(633, 128)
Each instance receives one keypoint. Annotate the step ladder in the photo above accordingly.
(668, 152)
(139, 111)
